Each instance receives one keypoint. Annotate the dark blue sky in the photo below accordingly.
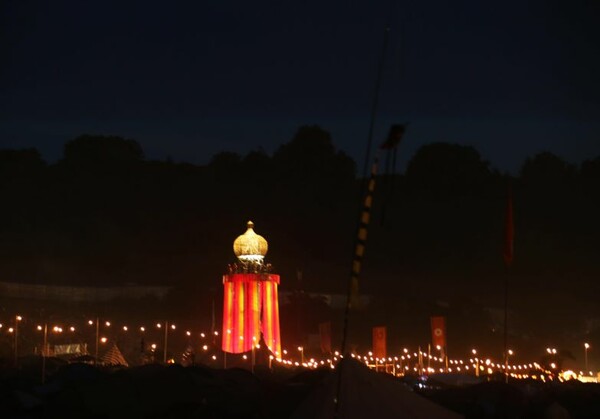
(189, 79)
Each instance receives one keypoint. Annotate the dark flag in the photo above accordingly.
(325, 334)
(394, 137)
(509, 233)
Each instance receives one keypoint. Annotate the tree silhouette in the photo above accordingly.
(590, 173)
(104, 215)
(225, 165)
(546, 171)
(105, 151)
(448, 169)
(16, 163)
(310, 163)
(591, 168)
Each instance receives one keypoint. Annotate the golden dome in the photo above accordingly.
(250, 247)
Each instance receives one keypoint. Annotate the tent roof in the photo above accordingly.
(113, 356)
(366, 393)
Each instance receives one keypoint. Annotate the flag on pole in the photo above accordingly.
(325, 334)
(509, 232)
(380, 342)
(438, 331)
(394, 137)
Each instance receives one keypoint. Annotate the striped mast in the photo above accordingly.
(390, 145)
(361, 237)
(365, 215)
(353, 283)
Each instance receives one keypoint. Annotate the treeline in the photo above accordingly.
(104, 214)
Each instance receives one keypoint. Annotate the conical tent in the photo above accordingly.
(365, 393)
(113, 356)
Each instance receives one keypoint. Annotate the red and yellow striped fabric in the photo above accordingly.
(244, 297)
(270, 316)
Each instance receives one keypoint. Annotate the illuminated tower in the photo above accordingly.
(250, 304)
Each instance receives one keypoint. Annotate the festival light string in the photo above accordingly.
(406, 362)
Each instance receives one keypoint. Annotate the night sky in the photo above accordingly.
(190, 79)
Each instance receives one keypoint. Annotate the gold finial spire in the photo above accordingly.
(250, 247)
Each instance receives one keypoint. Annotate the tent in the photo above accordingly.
(113, 356)
(366, 393)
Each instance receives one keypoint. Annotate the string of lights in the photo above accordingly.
(408, 362)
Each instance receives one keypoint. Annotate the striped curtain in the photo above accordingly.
(245, 296)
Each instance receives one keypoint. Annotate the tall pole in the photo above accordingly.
(446, 358)
(428, 357)
(474, 352)
(17, 318)
(353, 283)
(585, 347)
(45, 345)
(508, 259)
(213, 322)
(166, 338)
(97, 339)
(506, 326)
(375, 103)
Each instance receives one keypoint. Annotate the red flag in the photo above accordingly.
(379, 341)
(509, 233)
(438, 331)
(325, 334)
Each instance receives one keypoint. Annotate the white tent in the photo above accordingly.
(367, 394)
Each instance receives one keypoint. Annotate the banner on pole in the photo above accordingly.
(438, 331)
(325, 334)
(379, 341)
